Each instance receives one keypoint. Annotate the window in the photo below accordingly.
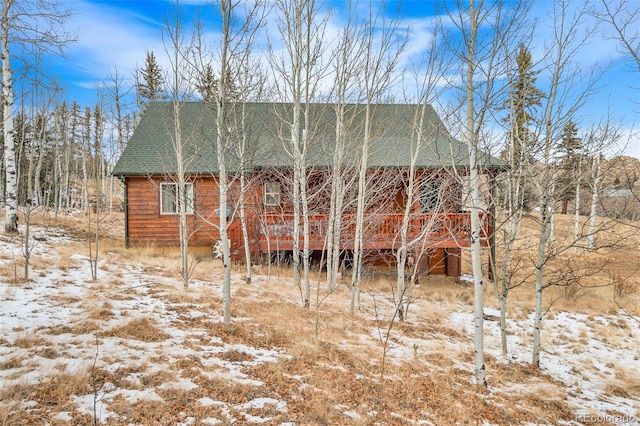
(428, 196)
(169, 198)
(271, 194)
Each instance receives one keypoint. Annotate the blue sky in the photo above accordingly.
(118, 33)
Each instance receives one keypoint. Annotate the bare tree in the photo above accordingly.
(523, 99)
(251, 84)
(422, 89)
(485, 30)
(237, 34)
(98, 189)
(114, 92)
(383, 43)
(347, 60)
(299, 70)
(623, 17)
(23, 22)
(568, 90)
(180, 88)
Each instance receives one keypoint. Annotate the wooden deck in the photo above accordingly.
(382, 231)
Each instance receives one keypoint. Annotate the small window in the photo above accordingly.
(271, 192)
(428, 196)
(170, 201)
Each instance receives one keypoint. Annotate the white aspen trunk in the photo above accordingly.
(28, 209)
(67, 174)
(545, 234)
(552, 209)
(337, 233)
(84, 200)
(403, 250)
(514, 212)
(513, 227)
(221, 143)
(545, 205)
(334, 222)
(296, 194)
(182, 194)
(2, 183)
(308, 61)
(11, 188)
(223, 225)
(57, 168)
(576, 221)
(474, 183)
(478, 278)
(304, 205)
(593, 213)
(299, 68)
(242, 152)
(306, 254)
(243, 222)
(110, 192)
(37, 187)
(356, 275)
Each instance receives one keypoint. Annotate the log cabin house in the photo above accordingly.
(439, 225)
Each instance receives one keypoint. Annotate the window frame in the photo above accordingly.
(271, 197)
(189, 194)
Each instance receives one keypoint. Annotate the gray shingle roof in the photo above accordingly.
(393, 138)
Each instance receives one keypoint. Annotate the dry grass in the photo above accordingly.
(102, 312)
(142, 329)
(336, 379)
(29, 341)
(52, 395)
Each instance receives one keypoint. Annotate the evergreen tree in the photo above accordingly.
(569, 156)
(526, 97)
(150, 81)
(208, 86)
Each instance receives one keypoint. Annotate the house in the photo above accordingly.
(439, 225)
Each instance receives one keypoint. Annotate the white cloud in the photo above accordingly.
(109, 37)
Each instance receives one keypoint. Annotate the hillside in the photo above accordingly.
(135, 347)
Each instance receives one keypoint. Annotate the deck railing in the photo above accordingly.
(380, 230)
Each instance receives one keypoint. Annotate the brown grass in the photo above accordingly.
(143, 329)
(28, 342)
(103, 312)
(319, 379)
(51, 395)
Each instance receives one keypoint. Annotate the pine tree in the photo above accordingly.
(569, 152)
(208, 86)
(526, 98)
(150, 81)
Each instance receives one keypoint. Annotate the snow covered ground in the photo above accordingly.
(73, 350)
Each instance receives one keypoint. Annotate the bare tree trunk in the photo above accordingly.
(226, 10)
(11, 186)
(576, 221)
(38, 199)
(593, 213)
(474, 183)
(334, 221)
(85, 152)
(300, 70)
(243, 217)
(358, 242)
(179, 90)
(564, 75)
(181, 194)
(541, 257)
(417, 141)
